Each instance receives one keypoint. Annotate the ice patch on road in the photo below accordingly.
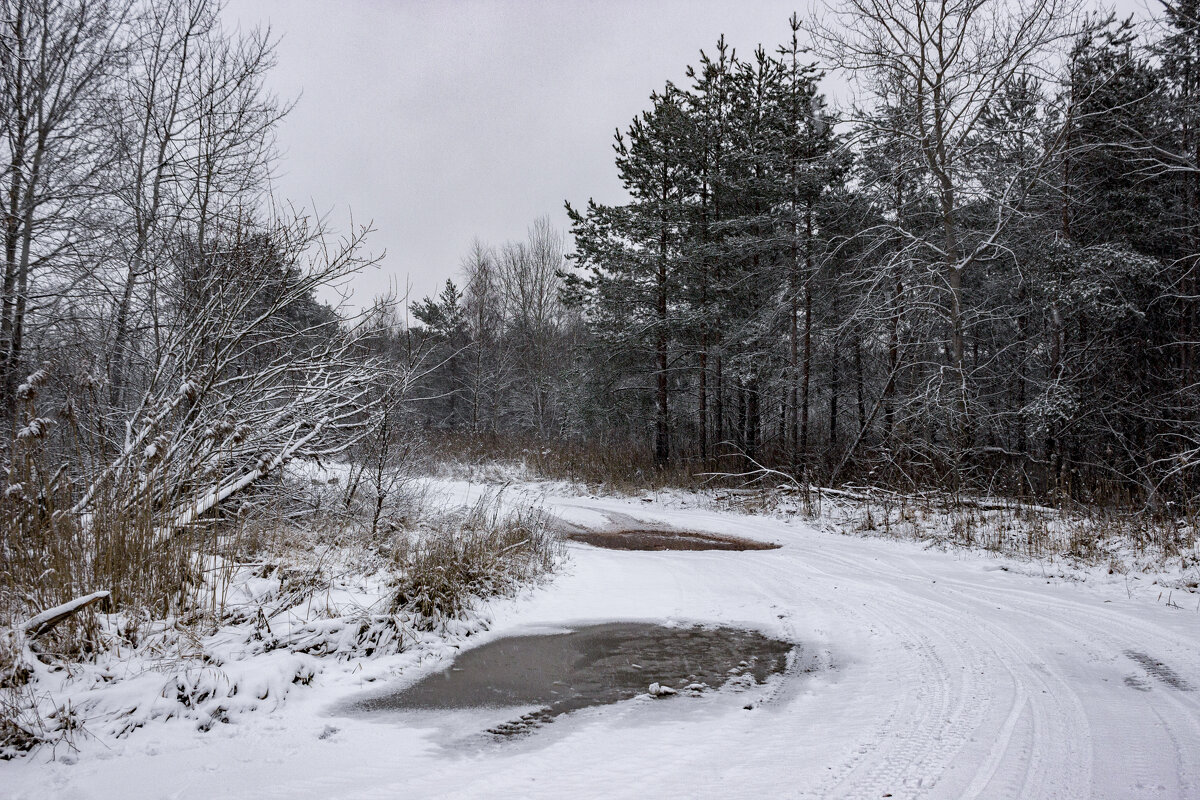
(538, 677)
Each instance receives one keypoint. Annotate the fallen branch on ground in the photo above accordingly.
(45, 621)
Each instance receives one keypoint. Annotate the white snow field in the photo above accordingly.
(921, 674)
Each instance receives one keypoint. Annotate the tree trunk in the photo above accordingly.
(662, 444)
(702, 400)
(834, 390)
(752, 418)
(702, 366)
(806, 368)
(859, 390)
(794, 365)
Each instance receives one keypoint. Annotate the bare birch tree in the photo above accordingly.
(946, 62)
(529, 273)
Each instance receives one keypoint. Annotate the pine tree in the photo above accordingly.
(808, 168)
(632, 252)
(445, 335)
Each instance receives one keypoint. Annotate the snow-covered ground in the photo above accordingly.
(923, 674)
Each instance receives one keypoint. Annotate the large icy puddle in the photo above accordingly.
(552, 674)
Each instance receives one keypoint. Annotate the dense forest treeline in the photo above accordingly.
(980, 274)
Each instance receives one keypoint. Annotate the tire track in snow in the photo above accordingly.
(1065, 721)
(1107, 636)
(987, 771)
(932, 718)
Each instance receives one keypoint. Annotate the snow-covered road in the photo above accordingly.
(936, 676)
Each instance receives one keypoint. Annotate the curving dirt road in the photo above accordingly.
(921, 674)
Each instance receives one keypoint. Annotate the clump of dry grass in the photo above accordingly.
(479, 553)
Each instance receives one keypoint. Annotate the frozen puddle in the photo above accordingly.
(535, 678)
(650, 539)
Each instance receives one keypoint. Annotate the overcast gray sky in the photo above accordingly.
(441, 121)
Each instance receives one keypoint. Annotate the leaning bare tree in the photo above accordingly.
(164, 317)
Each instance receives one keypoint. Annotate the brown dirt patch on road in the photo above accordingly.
(650, 539)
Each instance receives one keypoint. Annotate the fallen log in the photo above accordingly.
(45, 621)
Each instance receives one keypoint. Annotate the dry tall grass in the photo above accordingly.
(620, 467)
(307, 536)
